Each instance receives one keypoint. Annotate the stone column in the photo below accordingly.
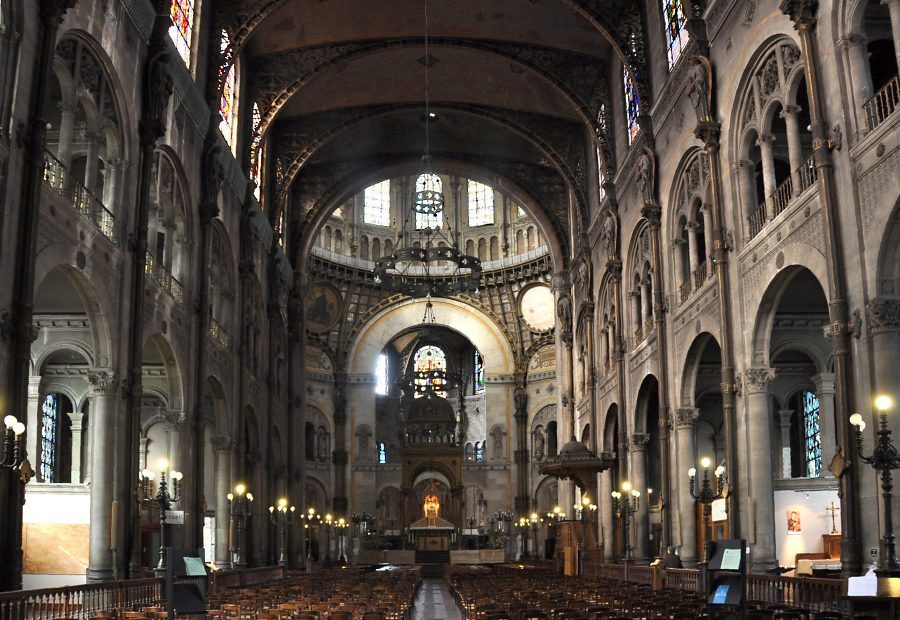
(770, 184)
(635, 307)
(784, 417)
(894, 8)
(860, 77)
(680, 279)
(66, 128)
(76, 418)
(646, 302)
(795, 150)
(639, 482)
(37, 388)
(565, 419)
(222, 448)
(684, 441)
(750, 201)
(92, 162)
(604, 505)
(112, 180)
(708, 234)
(604, 349)
(102, 424)
(824, 383)
(760, 467)
(693, 259)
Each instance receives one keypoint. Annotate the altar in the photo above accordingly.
(432, 534)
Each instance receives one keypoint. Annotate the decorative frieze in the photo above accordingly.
(883, 315)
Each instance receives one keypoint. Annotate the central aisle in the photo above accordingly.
(435, 602)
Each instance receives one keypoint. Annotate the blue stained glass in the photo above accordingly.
(632, 107)
(479, 452)
(49, 431)
(676, 30)
(812, 435)
(479, 373)
(430, 358)
(382, 453)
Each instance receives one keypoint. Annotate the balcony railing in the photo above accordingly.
(684, 291)
(82, 199)
(883, 103)
(757, 220)
(700, 274)
(218, 332)
(782, 196)
(163, 278)
(808, 174)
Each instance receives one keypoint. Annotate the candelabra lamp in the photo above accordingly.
(533, 521)
(706, 496)
(310, 517)
(282, 517)
(162, 499)
(342, 527)
(884, 459)
(625, 504)
(13, 443)
(240, 501)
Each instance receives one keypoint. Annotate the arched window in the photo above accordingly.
(256, 153)
(429, 182)
(631, 107)
(676, 29)
(381, 375)
(49, 437)
(377, 208)
(479, 373)
(481, 204)
(310, 441)
(812, 438)
(227, 111)
(182, 28)
(428, 359)
(382, 453)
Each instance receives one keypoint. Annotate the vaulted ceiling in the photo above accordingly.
(517, 86)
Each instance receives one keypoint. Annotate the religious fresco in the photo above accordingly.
(324, 307)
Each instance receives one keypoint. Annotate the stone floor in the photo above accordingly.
(435, 602)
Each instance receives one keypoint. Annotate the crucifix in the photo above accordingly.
(832, 509)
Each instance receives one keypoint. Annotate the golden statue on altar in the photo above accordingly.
(432, 506)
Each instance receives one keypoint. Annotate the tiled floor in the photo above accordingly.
(435, 602)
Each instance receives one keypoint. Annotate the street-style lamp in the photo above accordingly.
(342, 525)
(706, 496)
(282, 516)
(329, 523)
(13, 443)
(533, 521)
(162, 499)
(625, 504)
(883, 459)
(240, 502)
(309, 517)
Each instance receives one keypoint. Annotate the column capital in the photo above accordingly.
(854, 39)
(765, 141)
(741, 164)
(824, 382)
(784, 415)
(76, 417)
(757, 379)
(67, 107)
(220, 443)
(801, 12)
(103, 381)
(639, 441)
(685, 417)
(789, 111)
(883, 315)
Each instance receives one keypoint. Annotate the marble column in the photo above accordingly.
(860, 76)
(76, 417)
(706, 211)
(646, 303)
(685, 418)
(770, 183)
(784, 417)
(638, 481)
(824, 383)
(693, 257)
(92, 162)
(66, 129)
(37, 388)
(112, 181)
(605, 507)
(760, 467)
(749, 200)
(222, 449)
(795, 150)
(102, 423)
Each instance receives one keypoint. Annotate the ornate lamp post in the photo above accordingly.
(162, 500)
(281, 516)
(533, 521)
(883, 459)
(240, 502)
(706, 495)
(342, 526)
(625, 505)
(329, 523)
(309, 517)
(13, 443)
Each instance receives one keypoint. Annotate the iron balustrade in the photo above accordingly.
(757, 220)
(684, 291)
(83, 201)
(808, 174)
(700, 274)
(782, 197)
(883, 103)
(218, 332)
(163, 278)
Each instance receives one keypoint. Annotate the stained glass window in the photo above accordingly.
(676, 31)
(382, 453)
(49, 432)
(182, 28)
(481, 204)
(256, 153)
(479, 452)
(427, 359)
(600, 179)
(812, 435)
(429, 182)
(520, 212)
(377, 209)
(631, 107)
(479, 373)
(226, 103)
(381, 375)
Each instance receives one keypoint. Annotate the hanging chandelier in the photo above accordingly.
(427, 261)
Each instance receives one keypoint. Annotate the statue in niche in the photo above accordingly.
(645, 181)
(539, 444)
(608, 234)
(564, 314)
(323, 447)
(699, 88)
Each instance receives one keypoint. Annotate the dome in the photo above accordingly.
(433, 409)
(575, 450)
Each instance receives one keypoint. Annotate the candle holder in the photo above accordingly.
(13, 443)
(706, 496)
(625, 505)
(884, 459)
(240, 501)
(281, 517)
(162, 499)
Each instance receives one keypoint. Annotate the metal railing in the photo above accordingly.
(883, 103)
(163, 278)
(757, 220)
(808, 174)
(684, 291)
(782, 197)
(218, 332)
(700, 274)
(83, 201)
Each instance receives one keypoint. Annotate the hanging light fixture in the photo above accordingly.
(427, 261)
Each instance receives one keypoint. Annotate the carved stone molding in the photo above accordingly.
(103, 382)
(883, 315)
(758, 379)
(221, 443)
(639, 441)
(685, 417)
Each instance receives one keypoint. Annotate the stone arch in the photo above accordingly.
(690, 365)
(887, 272)
(166, 357)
